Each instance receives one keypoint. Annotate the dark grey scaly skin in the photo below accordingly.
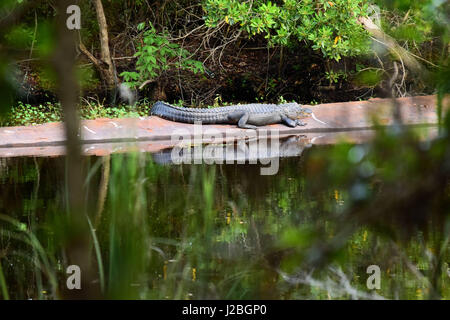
(247, 116)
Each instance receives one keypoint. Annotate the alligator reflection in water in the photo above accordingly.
(248, 151)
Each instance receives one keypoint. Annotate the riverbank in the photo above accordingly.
(151, 134)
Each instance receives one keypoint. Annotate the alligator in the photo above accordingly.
(247, 116)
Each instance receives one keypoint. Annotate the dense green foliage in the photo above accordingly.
(330, 26)
(27, 114)
(298, 42)
(157, 55)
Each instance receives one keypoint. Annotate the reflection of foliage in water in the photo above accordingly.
(194, 232)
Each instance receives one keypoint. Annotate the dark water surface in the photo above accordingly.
(200, 232)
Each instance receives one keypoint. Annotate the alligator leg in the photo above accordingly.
(241, 118)
(288, 121)
(300, 123)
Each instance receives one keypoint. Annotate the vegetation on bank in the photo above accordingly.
(26, 114)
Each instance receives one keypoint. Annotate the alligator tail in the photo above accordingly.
(188, 115)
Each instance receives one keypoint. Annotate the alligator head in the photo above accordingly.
(295, 111)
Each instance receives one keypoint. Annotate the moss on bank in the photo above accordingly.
(25, 114)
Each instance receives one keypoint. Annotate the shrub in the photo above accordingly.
(328, 26)
(157, 55)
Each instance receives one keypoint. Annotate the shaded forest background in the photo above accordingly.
(209, 53)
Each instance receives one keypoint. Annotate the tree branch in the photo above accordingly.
(110, 74)
(391, 44)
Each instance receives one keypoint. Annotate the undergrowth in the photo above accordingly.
(26, 114)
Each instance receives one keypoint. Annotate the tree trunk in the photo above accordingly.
(104, 65)
(76, 242)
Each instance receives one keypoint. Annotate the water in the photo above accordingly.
(204, 232)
